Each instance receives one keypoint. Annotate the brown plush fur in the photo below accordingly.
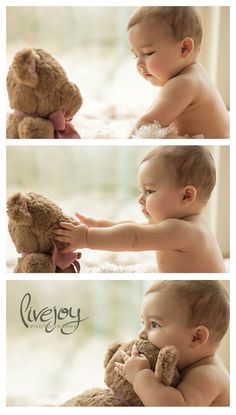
(32, 219)
(120, 392)
(38, 86)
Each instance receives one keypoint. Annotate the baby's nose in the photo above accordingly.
(142, 335)
(140, 63)
(141, 199)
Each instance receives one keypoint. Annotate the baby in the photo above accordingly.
(193, 316)
(166, 42)
(175, 183)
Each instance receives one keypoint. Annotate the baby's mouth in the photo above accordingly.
(145, 212)
(147, 75)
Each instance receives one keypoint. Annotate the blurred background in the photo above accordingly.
(91, 44)
(49, 368)
(101, 182)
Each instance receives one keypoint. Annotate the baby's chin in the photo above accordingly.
(155, 81)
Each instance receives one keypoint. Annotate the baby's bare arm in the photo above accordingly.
(98, 223)
(169, 234)
(175, 96)
(199, 388)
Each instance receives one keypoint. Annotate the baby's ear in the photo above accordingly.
(25, 67)
(189, 194)
(187, 46)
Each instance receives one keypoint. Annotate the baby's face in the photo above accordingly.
(164, 322)
(158, 56)
(159, 198)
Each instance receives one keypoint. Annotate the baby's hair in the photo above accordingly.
(187, 165)
(205, 302)
(180, 21)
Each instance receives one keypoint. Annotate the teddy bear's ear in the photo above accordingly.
(18, 210)
(110, 352)
(25, 67)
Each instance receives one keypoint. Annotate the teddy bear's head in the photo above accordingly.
(38, 85)
(32, 220)
(164, 368)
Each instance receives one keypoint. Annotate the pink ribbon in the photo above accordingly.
(65, 260)
(62, 260)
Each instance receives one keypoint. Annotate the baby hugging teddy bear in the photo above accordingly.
(120, 392)
(41, 96)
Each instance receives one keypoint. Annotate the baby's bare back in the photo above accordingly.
(207, 114)
(200, 254)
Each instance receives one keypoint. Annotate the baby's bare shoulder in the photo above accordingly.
(184, 83)
(206, 383)
(211, 369)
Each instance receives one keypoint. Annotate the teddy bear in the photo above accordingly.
(32, 220)
(120, 392)
(41, 96)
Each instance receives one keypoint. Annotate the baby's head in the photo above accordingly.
(176, 181)
(165, 40)
(191, 315)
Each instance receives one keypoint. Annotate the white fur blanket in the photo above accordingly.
(105, 128)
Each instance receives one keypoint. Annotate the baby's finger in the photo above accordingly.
(76, 222)
(66, 250)
(134, 350)
(119, 368)
(120, 372)
(66, 225)
(61, 232)
(124, 355)
(61, 238)
(83, 219)
(79, 216)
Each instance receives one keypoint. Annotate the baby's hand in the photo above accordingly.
(87, 221)
(132, 133)
(73, 234)
(133, 364)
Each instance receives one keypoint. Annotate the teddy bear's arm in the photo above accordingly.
(23, 238)
(71, 99)
(165, 370)
(110, 352)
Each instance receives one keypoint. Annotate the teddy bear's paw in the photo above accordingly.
(166, 365)
(34, 263)
(12, 126)
(35, 128)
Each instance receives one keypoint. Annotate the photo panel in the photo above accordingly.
(113, 87)
(135, 209)
(65, 332)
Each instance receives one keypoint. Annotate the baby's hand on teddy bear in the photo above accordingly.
(90, 222)
(73, 234)
(132, 365)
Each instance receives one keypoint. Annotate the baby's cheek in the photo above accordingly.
(152, 203)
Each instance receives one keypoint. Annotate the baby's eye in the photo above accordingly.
(149, 53)
(149, 192)
(154, 325)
